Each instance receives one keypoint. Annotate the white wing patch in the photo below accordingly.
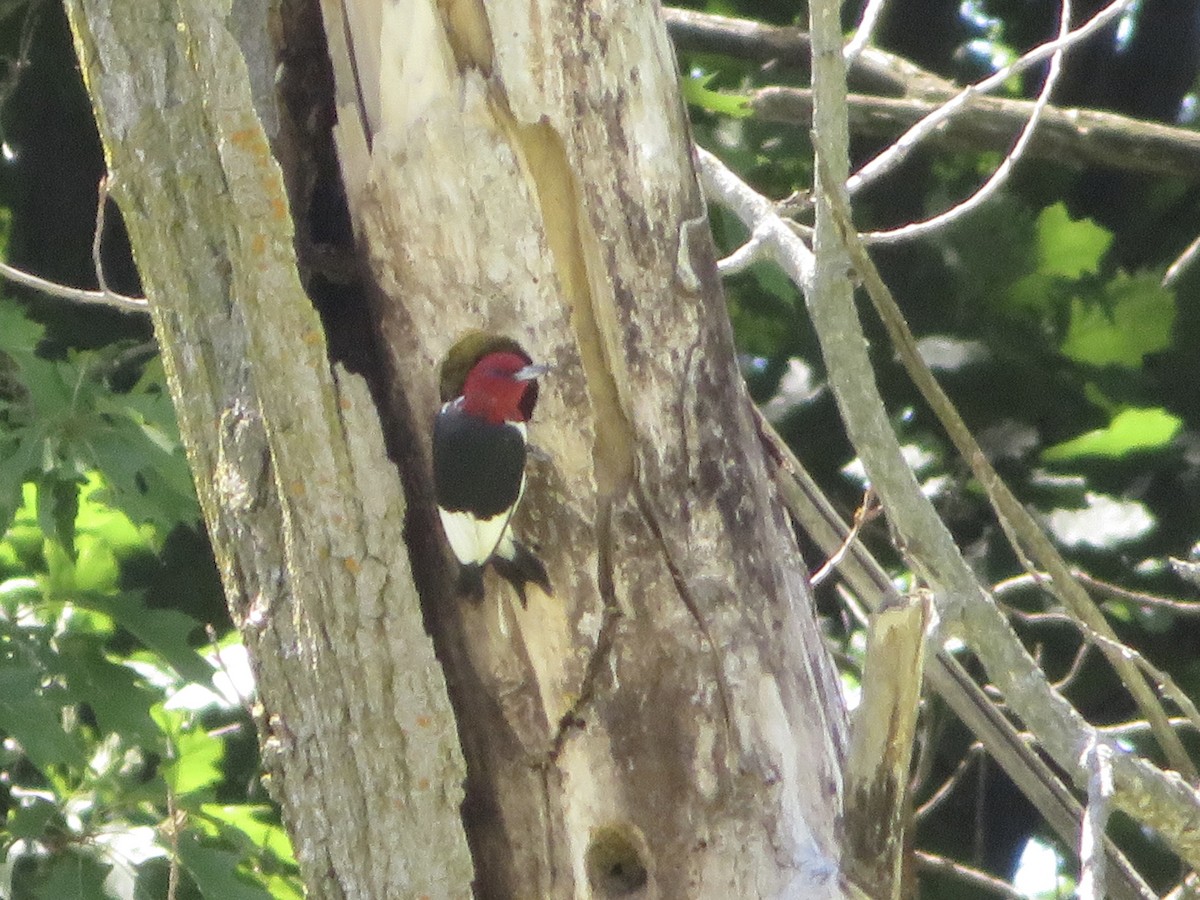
(476, 540)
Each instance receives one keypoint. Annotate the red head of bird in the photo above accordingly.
(502, 387)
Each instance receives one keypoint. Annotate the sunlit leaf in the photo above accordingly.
(196, 766)
(1135, 318)
(1130, 431)
(1067, 247)
(255, 824)
(697, 93)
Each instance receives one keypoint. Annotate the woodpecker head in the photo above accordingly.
(472, 347)
(502, 387)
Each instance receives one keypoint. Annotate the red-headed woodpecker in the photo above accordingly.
(479, 448)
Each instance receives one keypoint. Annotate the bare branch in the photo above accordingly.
(744, 256)
(102, 297)
(929, 862)
(992, 186)
(895, 154)
(945, 675)
(864, 32)
(1023, 530)
(874, 71)
(1077, 137)
(779, 241)
(1001, 650)
(1100, 587)
(99, 298)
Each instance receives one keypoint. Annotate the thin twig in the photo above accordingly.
(174, 822)
(16, 67)
(946, 788)
(998, 178)
(929, 862)
(99, 298)
(1166, 685)
(1141, 726)
(866, 511)
(866, 29)
(102, 297)
(1115, 591)
(98, 232)
(895, 154)
(1177, 268)
(1075, 668)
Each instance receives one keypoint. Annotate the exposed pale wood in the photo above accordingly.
(669, 715)
(878, 807)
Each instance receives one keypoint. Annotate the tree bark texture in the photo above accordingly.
(302, 504)
(667, 723)
(668, 717)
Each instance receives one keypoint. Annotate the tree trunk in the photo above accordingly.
(666, 723)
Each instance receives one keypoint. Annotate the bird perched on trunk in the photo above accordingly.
(489, 389)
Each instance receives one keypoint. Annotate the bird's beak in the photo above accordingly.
(530, 372)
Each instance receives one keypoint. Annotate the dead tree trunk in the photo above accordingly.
(667, 724)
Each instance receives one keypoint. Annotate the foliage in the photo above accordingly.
(117, 728)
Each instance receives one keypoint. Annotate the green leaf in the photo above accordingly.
(254, 824)
(18, 461)
(697, 93)
(149, 478)
(33, 719)
(1069, 248)
(96, 567)
(1130, 431)
(215, 871)
(29, 820)
(119, 700)
(57, 507)
(107, 524)
(165, 631)
(197, 762)
(73, 876)
(1135, 318)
